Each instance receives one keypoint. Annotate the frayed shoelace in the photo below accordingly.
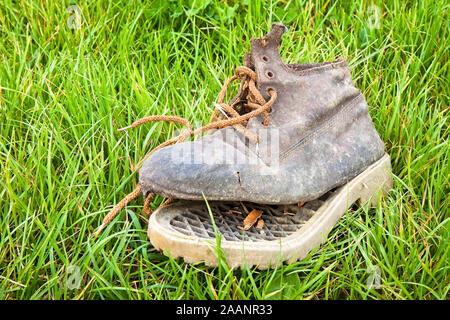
(255, 105)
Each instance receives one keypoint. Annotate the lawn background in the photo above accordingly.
(66, 85)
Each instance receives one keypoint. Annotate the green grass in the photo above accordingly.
(64, 92)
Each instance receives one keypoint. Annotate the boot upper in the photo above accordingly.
(319, 136)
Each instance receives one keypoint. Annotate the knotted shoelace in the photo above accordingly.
(225, 115)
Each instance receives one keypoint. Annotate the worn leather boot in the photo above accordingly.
(317, 136)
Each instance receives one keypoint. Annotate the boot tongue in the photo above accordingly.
(273, 38)
(259, 46)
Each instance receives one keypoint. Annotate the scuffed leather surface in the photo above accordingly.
(326, 137)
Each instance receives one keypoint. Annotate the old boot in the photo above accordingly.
(294, 133)
(317, 145)
(314, 134)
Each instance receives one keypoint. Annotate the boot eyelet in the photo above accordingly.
(269, 74)
(264, 41)
(268, 89)
(265, 59)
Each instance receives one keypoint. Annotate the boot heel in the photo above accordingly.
(376, 182)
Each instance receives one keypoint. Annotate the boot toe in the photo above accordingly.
(190, 169)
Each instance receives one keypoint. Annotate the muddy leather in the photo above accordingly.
(319, 123)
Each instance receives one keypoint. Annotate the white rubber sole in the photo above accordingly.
(368, 187)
